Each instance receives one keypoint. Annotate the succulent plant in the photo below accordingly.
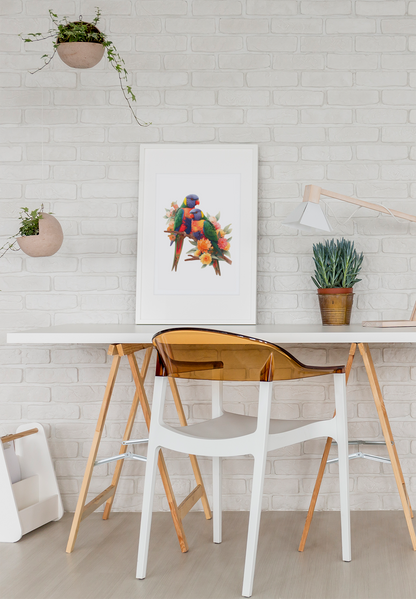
(337, 264)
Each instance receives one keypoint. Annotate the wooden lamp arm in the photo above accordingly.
(313, 193)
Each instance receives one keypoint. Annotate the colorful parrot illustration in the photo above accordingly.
(183, 224)
(203, 228)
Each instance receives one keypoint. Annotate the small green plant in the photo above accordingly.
(29, 225)
(337, 264)
(64, 31)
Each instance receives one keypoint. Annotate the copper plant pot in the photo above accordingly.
(48, 241)
(80, 55)
(335, 305)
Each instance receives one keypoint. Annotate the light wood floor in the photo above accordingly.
(103, 564)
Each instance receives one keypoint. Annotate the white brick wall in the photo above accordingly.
(327, 89)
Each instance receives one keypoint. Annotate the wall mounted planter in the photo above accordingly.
(48, 241)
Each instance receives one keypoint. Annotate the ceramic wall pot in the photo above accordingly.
(80, 55)
(335, 305)
(48, 241)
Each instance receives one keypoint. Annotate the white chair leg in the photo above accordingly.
(159, 393)
(342, 441)
(260, 458)
(217, 398)
(146, 520)
(217, 499)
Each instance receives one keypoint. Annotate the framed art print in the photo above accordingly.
(197, 234)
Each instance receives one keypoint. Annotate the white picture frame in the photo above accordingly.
(224, 177)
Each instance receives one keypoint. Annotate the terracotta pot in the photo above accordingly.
(335, 305)
(80, 55)
(48, 241)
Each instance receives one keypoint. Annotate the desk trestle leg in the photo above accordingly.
(82, 510)
(129, 427)
(178, 512)
(388, 436)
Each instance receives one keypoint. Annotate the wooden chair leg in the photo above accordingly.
(127, 434)
(324, 460)
(388, 436)
(83, 510)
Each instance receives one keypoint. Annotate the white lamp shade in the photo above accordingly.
(306, 216)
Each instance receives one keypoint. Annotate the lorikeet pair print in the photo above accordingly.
(209, 241)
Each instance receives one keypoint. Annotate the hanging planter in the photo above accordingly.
(81, 45)
(40, 234)
(80, 55)
(337, 265)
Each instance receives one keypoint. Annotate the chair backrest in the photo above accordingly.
(203, 354)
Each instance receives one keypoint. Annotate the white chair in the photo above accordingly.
(217, 356)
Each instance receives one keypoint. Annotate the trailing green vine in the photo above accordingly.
(29, 225)
(64, 31)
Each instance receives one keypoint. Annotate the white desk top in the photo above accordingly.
(298, 333)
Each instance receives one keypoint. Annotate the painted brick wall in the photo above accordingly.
(327, 89)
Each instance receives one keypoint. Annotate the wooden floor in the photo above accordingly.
(103, 564)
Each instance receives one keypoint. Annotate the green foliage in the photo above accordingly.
(29, 225)
(337, 264)
(64, 31)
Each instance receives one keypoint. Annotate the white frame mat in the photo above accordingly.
(225, 178)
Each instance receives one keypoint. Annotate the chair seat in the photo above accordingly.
(229, 426)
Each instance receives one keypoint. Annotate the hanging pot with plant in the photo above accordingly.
(81, 45)
(40, 234)
(337, 265)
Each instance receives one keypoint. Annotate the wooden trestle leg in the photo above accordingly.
(178, 512)
(199, 491)
(388, 436)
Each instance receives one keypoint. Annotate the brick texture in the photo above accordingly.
(327, 89)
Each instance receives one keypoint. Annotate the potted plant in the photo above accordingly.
(337, 265)
(40, 234)
(81, 45)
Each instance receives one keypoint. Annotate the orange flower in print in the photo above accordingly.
(197, 253)
(204, 245)
(205, 259)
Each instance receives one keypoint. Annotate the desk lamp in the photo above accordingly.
(308, 215)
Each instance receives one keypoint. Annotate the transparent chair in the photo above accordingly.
(218, 356)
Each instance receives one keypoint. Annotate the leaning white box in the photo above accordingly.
(35, 499)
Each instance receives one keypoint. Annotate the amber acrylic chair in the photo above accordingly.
(216, 356)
